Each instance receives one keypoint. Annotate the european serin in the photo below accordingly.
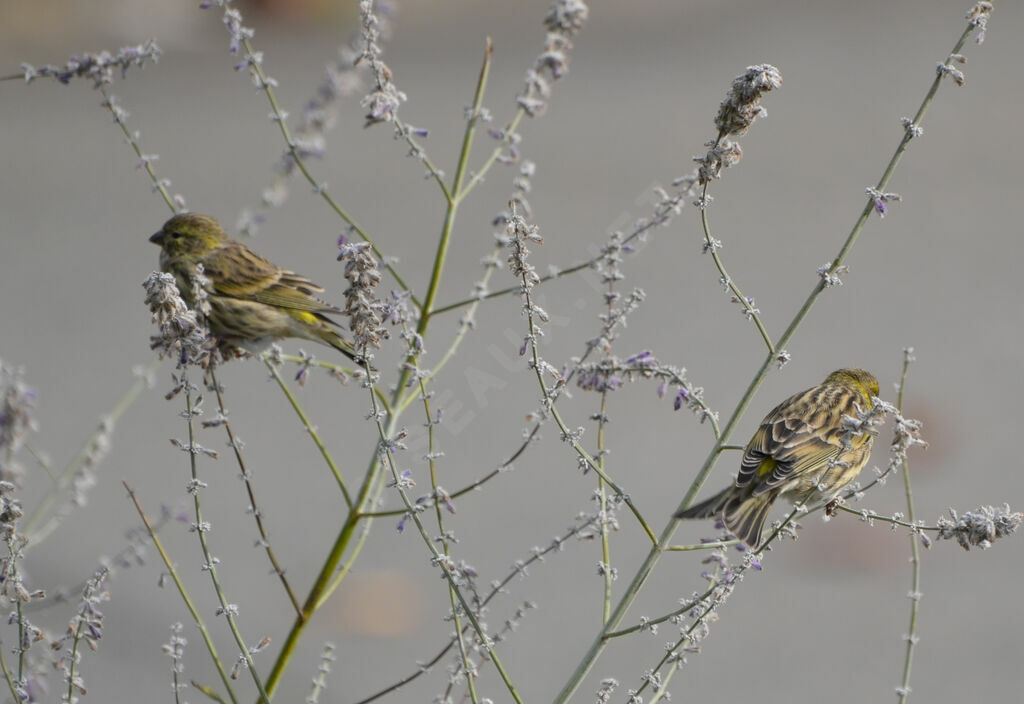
(252, 300)
(798, 450)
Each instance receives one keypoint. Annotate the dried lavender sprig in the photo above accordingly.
(386, 450)
(172, 570)
(320, 680)
(175, 649)
(97, 67)
(667, 207)
(564, 20)
(236, 444)
(702, 609)
(362, 305)
(915, 550)
(976, 528)
(86, 625)
(610, 373)
(161, 296)
(518, 234)
(383, 102)
(385, 99)
(160, 185)
(183, 333)
(742, 105)
(342, 79)
(240, 40)
(979, 528)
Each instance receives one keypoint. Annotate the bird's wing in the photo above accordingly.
(803, 431)
(237, 271)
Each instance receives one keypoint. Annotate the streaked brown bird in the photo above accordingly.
(253, 302)
(797, 451)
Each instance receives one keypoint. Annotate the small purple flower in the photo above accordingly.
(682, 396)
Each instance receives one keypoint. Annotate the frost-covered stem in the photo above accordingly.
(406, 132)
(607, 573)
(453, 596)
(437, 558)
(176, 578)
(235, 445)
(209, 562)
(498, 587)
(748, 306)
(526, 285)
(159, 185)
(915, 551)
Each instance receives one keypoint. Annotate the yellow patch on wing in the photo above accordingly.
(767, 467)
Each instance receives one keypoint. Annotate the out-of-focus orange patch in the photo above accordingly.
(382, 603)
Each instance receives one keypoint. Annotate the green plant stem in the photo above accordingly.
(460, 172)
(311, 429)
(478, 177)
(345, 566)
(450, 213)
(324, 577)
(324, 582)
(7, 674)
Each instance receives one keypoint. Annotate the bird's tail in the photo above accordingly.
(341, 344)
(707, 508)
(744, 517)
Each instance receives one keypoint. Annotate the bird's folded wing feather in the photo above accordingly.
(797, 435)
(241, 273)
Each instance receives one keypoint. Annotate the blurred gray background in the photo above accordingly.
(826, 617)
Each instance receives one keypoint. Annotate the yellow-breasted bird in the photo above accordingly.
(252, 300)
(798, 450)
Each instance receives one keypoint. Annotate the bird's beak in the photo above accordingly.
(158, 239)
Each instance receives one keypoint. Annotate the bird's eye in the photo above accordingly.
(176, 235)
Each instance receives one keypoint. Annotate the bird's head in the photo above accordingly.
(863, 380)
(189, 235)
